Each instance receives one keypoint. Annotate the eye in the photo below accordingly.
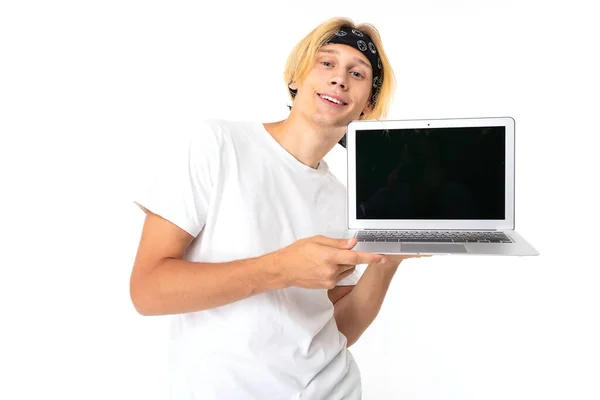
(357, 74)
(326, 63)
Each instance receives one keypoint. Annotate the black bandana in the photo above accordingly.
(363, 43)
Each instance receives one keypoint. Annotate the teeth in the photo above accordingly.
(331, 99)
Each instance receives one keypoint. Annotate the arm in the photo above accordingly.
(163, 283)
(357, 306)
(338, 292)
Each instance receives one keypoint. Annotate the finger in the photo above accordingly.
(357, 257)
(334, 242)
(397, 258)
(345, 267)
(346, 273)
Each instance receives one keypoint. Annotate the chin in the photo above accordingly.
(331, 122)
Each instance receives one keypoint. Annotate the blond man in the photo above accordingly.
(244, 242)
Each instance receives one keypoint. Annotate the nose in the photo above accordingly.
(341, 84)
(338, 80)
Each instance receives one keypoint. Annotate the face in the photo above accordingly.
(337, 88)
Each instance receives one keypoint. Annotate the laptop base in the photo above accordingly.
(518, 247)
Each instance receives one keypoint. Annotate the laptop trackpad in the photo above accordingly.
(427, 248)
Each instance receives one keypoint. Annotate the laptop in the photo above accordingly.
(436, 186)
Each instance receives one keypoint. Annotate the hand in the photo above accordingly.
(396, 259)
(320, 262)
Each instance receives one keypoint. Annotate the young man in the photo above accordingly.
(244, 238)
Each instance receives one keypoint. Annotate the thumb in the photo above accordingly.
(349, 243)
(337, 243)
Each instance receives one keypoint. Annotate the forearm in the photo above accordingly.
(176, 286)
(357, 310)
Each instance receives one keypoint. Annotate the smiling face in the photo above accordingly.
(337, 88)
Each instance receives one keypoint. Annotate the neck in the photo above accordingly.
(305, 140)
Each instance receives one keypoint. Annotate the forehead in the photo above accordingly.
(346, 51)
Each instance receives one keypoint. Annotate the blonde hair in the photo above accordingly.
(302, 58)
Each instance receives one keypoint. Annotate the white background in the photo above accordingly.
(91, 92)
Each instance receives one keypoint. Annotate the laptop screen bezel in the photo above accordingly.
(384, 224)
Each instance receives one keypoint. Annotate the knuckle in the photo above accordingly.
(327, 257)
(313, 248)
(331, 273)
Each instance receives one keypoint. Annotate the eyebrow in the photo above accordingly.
(358, 59)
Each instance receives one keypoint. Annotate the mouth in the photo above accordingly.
(332, 100)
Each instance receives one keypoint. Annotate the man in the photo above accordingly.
(244, 238)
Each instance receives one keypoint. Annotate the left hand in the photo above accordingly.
(396, 259)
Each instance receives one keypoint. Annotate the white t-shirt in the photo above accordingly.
(241, 194)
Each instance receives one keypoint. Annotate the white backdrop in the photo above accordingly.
(91, 92)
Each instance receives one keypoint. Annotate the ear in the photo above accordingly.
(366, 111)
(293, 85)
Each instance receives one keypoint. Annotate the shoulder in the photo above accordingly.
(213, 135)
(224, 129)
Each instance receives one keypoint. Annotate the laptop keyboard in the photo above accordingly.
(433, 236)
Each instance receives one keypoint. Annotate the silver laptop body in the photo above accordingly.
(439, 186)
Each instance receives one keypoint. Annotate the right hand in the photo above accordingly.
(320, 262)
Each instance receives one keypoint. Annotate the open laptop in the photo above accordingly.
(439, 186)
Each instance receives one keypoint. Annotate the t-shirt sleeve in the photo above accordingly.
(182, 181)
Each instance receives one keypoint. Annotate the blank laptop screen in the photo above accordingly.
(439, 173)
